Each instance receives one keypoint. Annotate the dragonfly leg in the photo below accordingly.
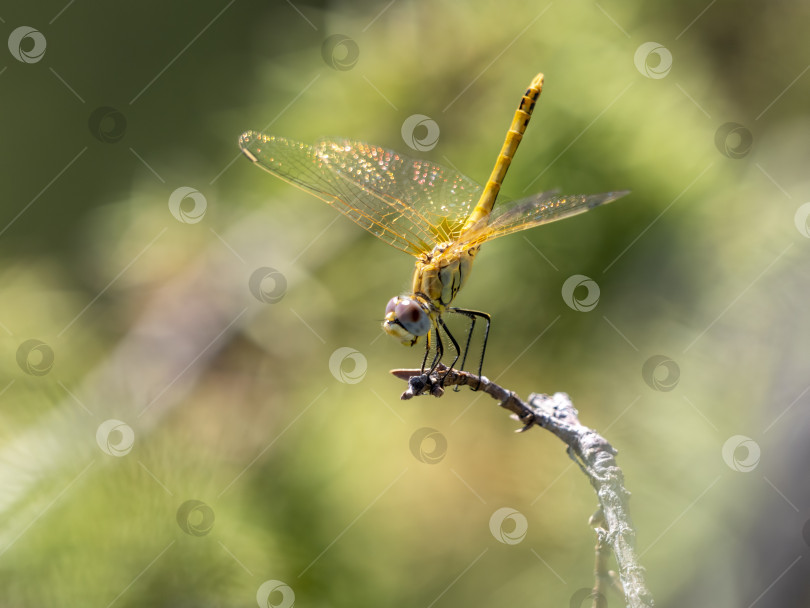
(467, 345)
(473, 315)
(455, 346)
(427, 352)
(439, 351)
(470, 331)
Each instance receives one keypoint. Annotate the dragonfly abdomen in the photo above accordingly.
(510, 145)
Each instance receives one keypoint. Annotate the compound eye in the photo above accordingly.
(412, 316)
(391, 306)
(407, 311)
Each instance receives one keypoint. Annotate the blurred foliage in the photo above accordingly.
(312, 481)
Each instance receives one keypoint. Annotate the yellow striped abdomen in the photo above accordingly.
(510, 144)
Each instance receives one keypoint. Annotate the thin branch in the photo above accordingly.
(592, 452)
(603, 578)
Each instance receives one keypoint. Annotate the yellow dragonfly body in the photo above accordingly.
(434, 213)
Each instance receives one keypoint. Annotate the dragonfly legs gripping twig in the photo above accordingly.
(473, 315)
(437, 358)
(436, 336)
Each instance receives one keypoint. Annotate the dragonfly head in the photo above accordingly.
(407, 318)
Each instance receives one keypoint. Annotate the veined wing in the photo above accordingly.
(533, 211)
(430, 195)
(410, 204)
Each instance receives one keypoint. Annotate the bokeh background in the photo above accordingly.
(195, 399)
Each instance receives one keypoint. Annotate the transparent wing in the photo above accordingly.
(533, 211)
(435, 197)
(410, 204)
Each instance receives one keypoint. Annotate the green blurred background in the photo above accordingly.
(305, 466)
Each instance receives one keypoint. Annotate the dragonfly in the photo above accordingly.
(436, 214)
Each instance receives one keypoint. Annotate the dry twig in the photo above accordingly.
(592, 452)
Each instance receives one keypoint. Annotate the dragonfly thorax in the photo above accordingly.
(440, 274)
